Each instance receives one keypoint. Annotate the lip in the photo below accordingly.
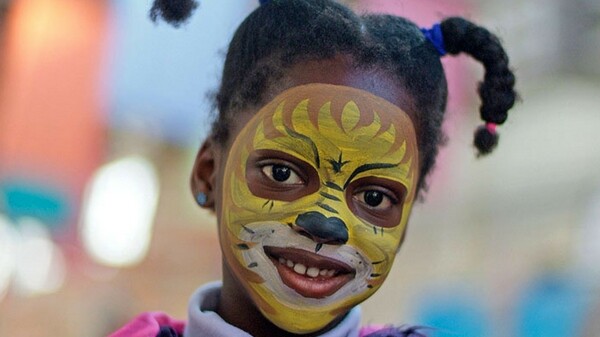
(320, 286)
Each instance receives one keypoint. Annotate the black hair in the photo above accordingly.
(282, 33)
(174, 12)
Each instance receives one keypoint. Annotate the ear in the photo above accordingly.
(204, 174)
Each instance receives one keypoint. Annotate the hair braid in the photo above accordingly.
(497, 89)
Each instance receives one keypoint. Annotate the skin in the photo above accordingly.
(236, 306)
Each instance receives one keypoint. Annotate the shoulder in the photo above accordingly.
(151, 324)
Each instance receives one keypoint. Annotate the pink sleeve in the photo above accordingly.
(148, 325)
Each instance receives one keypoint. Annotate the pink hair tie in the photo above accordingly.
(491, 127)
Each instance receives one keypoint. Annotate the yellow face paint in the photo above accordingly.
(317, 190)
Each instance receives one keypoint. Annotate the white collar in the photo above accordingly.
(204, 321)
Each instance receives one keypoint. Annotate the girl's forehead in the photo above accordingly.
(349, 108)
(342, 70)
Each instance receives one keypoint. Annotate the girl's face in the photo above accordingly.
(316, 191)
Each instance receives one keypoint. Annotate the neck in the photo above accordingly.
(237, 309)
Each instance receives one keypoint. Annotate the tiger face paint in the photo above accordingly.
(317, 190)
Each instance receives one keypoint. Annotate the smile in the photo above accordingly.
(309, 274)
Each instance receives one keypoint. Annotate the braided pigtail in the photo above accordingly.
(497, 89)
(174, 12)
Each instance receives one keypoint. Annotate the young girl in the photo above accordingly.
(328, 126)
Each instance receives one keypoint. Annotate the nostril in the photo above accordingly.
(303, 232)
(316, 239)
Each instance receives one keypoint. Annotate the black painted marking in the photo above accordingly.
(253, 265)
(370, 286)
(374, 229)
(271, 207)
(367, 167)
(329, 196)
(266, 203)
(318, 247)
(242, 246)
(306, 139)
(334, 186)
(337, 165)
(375, 275)
(248, 229)
(377, 262)
(327, 207)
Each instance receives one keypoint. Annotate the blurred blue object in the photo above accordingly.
(452, 312)
(553, 305)
(159, 76)
(20, 199)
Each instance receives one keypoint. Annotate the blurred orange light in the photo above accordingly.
(51, 113)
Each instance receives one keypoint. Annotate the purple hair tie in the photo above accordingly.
(436, 37)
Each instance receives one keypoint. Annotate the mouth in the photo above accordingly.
(309, 274)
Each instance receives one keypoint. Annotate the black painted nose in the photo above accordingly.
(322, 229)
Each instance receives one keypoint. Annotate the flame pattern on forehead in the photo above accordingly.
(344, 134)
(358, 107)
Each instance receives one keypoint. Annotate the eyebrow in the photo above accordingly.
(368, 167)
(307, 140)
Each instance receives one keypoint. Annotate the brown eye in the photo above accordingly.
(378, 201)
(374, 199)
(277, 175)
(282, 174)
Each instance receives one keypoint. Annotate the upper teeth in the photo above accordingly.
(301, 269)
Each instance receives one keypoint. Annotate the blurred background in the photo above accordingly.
(102, 112)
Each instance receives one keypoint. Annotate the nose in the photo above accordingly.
(322, 229)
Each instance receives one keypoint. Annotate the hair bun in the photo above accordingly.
(486, 140)
(174, 12)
